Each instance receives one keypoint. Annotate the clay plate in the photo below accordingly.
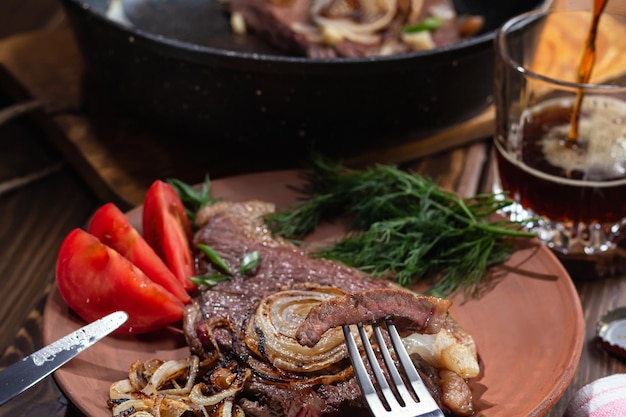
(528, 327)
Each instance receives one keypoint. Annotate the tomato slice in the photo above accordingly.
(113, 229)
(166, 228)
(95, 280)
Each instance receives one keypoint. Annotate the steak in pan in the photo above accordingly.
(352, 28)
(298, 360)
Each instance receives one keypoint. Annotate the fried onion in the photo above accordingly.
(197, 397)
(451, 349)
(171, 389)
(333, 17)
(271, 331)
(168, 372)
(210, 388)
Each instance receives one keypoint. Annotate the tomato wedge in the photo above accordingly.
(95, 280)
(166, 228)
(113, 229)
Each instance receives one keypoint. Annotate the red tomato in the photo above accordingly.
(95, 280)
(111, 226)
(167, 229)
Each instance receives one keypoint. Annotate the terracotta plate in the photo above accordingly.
(528, 327)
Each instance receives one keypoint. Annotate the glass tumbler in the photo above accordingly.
(563, 163)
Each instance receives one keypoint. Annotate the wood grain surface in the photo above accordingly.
(121, 157)
(45, 192)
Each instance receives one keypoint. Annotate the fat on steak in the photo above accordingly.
(236, 229)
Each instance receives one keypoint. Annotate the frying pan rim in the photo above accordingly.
(179, 46)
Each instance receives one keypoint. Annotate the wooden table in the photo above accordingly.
(42, 197)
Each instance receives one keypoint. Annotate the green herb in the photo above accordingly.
(402, 225)
(215, 258)
(428, 24)
(209, 280)
(192, 197)
(249, 262)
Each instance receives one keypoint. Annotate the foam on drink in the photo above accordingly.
(600, 154)
(544, 173)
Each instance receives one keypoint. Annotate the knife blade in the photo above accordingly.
(22, 375)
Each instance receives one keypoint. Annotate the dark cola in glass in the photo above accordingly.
(560, 140)
(584, 182)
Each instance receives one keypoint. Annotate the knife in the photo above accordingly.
(22, 375)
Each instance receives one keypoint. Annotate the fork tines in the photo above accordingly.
(389, 398)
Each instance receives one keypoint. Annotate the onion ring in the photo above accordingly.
(337, 28)
(271, 331)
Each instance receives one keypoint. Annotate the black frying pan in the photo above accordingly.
(179, 66)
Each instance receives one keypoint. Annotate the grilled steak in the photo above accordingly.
(234, 230)
(409, 311)
(341, 28)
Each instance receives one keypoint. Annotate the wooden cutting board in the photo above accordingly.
(120, 158)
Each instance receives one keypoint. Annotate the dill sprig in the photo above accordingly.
(403, 225)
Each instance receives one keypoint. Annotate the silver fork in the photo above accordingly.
(402, 400)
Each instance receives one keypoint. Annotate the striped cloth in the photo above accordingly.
(605, 397)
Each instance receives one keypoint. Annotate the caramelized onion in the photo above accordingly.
(150, 407)
(120, 390)
(228, 409)
(451, 349)
(274, 375)
(197, 397)
(170, 371)
(136, 376)
(414, 11)
(162, 393)
(335, 23)
(271, 331)
(418, 41)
